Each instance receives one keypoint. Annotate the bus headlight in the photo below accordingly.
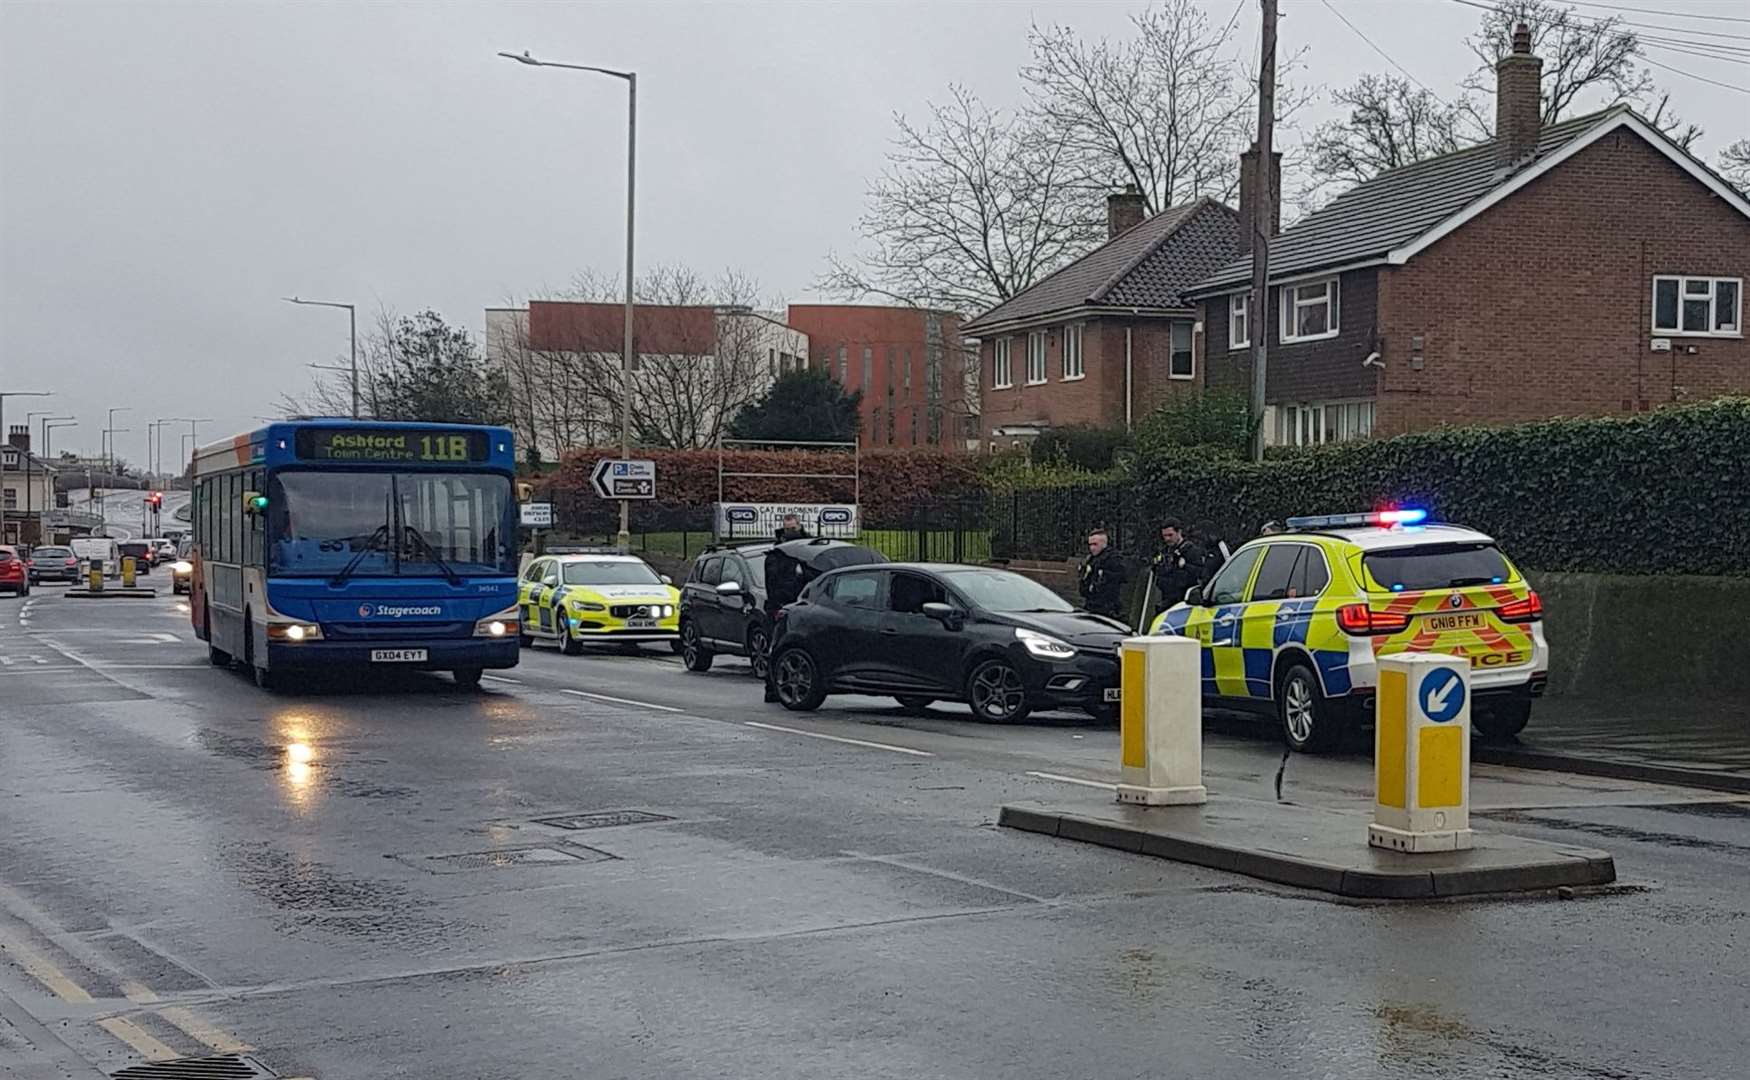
(182, 566)
(294, 632)
(504, 624)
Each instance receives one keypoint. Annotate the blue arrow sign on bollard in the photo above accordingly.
(1441, 695)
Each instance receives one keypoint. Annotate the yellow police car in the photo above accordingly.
(591, 597)
(1294, 623)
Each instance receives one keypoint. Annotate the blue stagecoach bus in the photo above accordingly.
(347, 543)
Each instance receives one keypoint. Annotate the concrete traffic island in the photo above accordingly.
(1313, 848)
(1417, 844)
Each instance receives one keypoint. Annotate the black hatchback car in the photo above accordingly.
(1002, 643)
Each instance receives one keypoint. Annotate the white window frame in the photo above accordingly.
(1191, 349)
(1239, 309)
(1290, 304)
(1002, 365)
(1713, 295)
(1036, 371)
(1074, 365)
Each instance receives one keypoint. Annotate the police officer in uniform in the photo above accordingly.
(1102, 577)
(1179, 564)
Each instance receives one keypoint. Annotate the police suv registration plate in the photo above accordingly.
(397, 656)
(1469, 620)
(640, 624)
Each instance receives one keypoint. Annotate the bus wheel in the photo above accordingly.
(467, 678)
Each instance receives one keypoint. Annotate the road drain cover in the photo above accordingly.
(601, 819)
(500, 858)
(223, 1067)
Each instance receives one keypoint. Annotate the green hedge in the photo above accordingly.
(1664, 492)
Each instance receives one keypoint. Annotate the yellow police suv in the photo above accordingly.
(1294, 624)
(588, 597)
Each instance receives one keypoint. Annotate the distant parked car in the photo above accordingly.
(53, 563)
(14, 575)
(182, 567)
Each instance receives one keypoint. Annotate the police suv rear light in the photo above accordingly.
(1527, 610)
(1361, 619)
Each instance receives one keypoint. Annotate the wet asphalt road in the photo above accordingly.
(369, 881)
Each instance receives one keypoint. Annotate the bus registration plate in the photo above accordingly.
(397, 656)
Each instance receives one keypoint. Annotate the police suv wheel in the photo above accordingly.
(1308, 722)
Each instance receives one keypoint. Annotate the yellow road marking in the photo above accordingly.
(142, 1042)
(43, 971)
(222, 1041)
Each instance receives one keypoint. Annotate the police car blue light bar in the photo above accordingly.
(1409, 515)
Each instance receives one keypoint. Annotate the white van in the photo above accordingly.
(88, 548)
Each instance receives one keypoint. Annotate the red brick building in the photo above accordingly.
(910, 364)
(1109, 337)
(1585, 268)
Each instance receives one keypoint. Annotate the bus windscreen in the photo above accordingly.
(392, 523)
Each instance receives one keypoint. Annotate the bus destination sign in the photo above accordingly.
(414, 445)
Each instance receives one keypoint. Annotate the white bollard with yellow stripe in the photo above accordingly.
(1421, 754)
(1161, 721)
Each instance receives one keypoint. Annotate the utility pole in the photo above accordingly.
(1258, 318)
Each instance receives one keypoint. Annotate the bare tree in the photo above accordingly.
(1168, 110)
(973, 206)
(1391, 123)
(1734, 164)
(1586, 61)
(704, 361)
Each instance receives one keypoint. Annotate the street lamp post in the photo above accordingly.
(50, 425)
(353, 328)
(191, 436)
(106, 447)
(631, 80)
(3, 396)
(30, 472)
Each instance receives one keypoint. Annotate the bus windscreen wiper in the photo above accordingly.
(437, 560)
(379, 536)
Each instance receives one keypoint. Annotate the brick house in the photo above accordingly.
(1110, 336)
(1590, 267)
(910, 363)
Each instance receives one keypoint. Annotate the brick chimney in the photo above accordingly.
(1518, 101)
(1249, 196)
(1124, 211)
(19, 435)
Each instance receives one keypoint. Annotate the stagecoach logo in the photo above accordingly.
(395, 611)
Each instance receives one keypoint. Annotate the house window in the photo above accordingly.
(1036, 357)
(10, 500)
(1323, 422)
(1238, 334)
(1181, 365)
(844, 367)
(1002, 370)
(1698, 306)
(1072, 353)
(868, 367)
(1309, 311)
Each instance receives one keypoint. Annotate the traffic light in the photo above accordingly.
(156, 499)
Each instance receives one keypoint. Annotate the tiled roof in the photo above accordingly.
(1147, 266)
(1395, 207)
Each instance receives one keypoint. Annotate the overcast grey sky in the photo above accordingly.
(169, 170)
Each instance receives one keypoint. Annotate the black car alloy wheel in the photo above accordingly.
(996, 692)
(693, 652)
(757, 645)
(798, 681)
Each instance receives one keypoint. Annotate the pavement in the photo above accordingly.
(1699, 741)
(606, 866)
